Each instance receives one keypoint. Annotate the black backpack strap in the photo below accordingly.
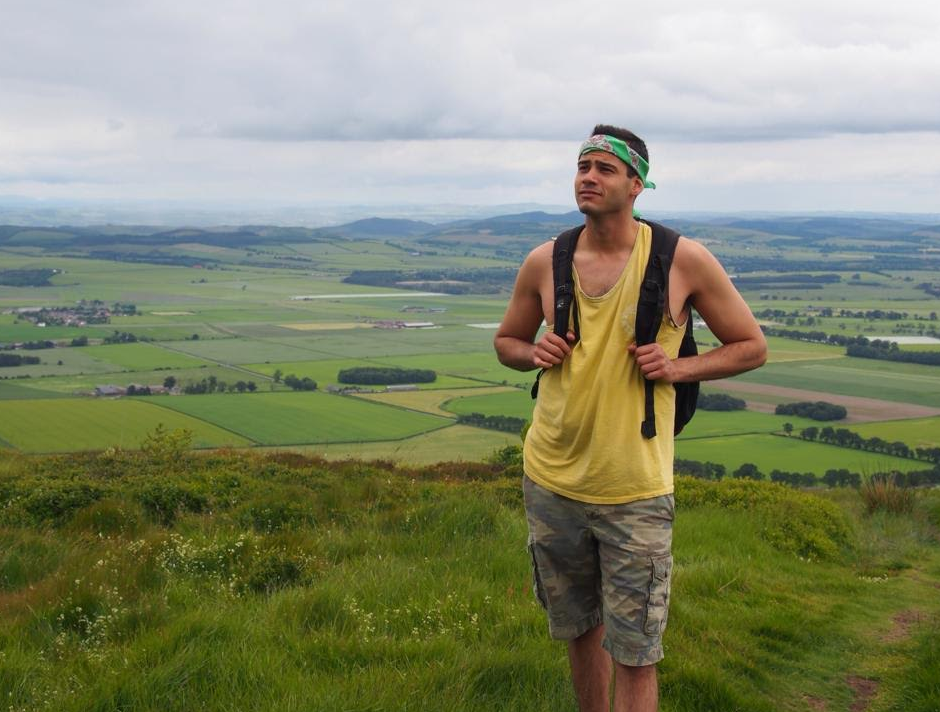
(566, 307)
(563, 280)
(651, 306)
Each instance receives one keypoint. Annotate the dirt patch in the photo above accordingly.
(863, 689)
(815, 703)
(861, 410)
(903, 622)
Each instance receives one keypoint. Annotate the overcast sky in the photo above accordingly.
(796, 105)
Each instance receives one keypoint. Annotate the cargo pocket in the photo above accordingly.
(537, 588)
(657, 603)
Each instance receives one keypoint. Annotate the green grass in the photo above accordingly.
(298, 418)
(771, 452)
(300, 586)
(64, 425)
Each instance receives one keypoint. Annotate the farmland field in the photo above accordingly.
(772, 452)
(856, 377)
(431, 401)
(141, 357)
(456, 443)
(82, 424)
(297, 418)
(918, 432)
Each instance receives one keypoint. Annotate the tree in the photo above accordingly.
(748, 471)
(169, 382)
(788, 428)
(277, 375)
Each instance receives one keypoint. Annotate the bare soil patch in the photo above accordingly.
(815, 703)
(903, 622)
(864, 690)
(861, 410)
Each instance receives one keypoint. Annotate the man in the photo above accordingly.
(598, 494)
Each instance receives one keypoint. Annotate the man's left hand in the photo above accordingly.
(654, 364)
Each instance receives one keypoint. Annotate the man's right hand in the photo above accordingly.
(551, 349)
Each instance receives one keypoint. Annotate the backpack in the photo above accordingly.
(649, 315)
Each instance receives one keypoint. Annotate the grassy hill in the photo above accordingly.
(165, 580)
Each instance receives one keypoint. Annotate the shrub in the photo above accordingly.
(271, 513)
(54, 502)
(795, 522)
(163, 501)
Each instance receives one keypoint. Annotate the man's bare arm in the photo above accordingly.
(515, 339)
(727, 316)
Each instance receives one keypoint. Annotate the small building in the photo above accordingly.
(110, 390)
(401, 387)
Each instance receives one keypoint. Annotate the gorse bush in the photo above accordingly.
(792, 521)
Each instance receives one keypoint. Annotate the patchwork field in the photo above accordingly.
(229, 312)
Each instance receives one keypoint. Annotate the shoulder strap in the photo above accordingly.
(652, 302)
(563, 281)
(562, 260)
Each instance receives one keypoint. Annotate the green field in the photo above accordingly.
(917, 432)
(430, 401)
(885, 380)
(298, 418)
(141, 357)
(63, 425)
(16, 391)
(458, 443)
(86, 384)
(790, 454)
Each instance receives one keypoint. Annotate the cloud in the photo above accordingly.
(294, 97)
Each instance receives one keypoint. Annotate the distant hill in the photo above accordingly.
(376, 228)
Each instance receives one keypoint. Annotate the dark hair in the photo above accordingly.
(630, 138)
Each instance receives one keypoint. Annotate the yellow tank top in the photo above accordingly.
(585, 440)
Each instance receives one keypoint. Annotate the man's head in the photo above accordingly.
(612, 167)
(637, 165)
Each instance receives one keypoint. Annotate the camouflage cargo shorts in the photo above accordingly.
(603, 563)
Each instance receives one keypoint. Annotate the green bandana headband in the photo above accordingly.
(610, 144)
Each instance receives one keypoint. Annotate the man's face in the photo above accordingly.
(601, 184)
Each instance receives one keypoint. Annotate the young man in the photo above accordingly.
(598, 494)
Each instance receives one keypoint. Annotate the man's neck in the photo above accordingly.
(612, 232)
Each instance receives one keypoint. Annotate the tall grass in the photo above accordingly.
(882, 493)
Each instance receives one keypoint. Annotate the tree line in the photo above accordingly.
(375, 375)
(505, 423)
(832, 478)
(889, 351)
(818, 410)
(8, 360)
(843, 437)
